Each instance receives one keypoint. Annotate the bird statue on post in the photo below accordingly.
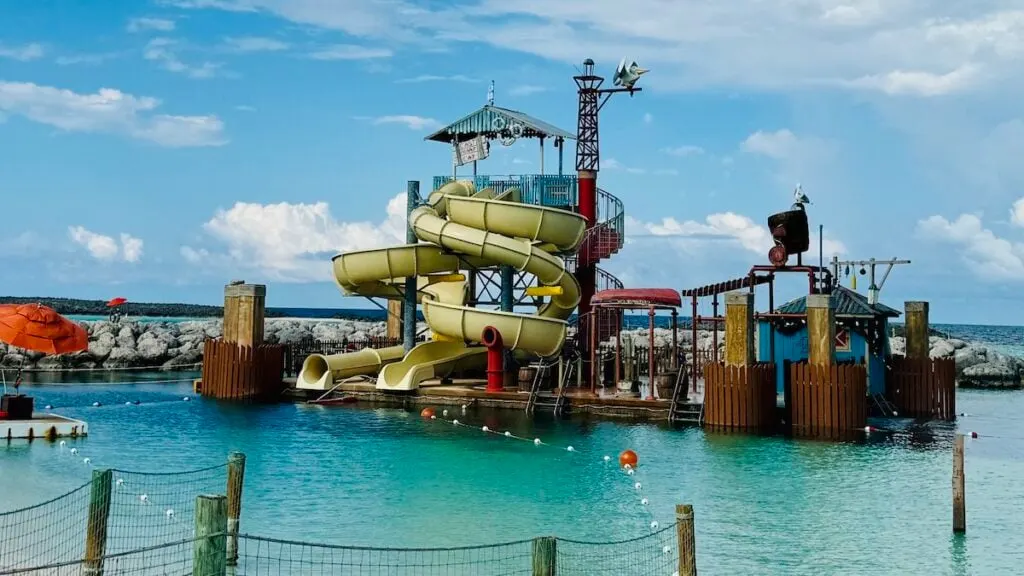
(799, 198)
(627, 73)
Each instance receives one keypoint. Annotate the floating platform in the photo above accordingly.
(472, 392)
(43, 426)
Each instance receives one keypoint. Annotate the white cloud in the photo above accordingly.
(526, 90)
(989, 256)
(254, 44)
(106, 248)
(25, 53)
(918, 83)
(435, 78)
(165, 52)
(856, 44)
(147, 24)
(88, 59)
(684, 150)
(349, 52)
(109, 111)
(293, 242)
(613, 164)
(780, 144)
(411, 122)
(1017, 213)
(730, 227)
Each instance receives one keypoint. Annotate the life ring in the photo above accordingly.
(517, 130)
(499, 123)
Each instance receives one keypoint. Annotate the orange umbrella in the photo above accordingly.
(115, 302)
(37, 327)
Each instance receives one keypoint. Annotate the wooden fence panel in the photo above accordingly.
(740, 397)
(235, 372)
(827, 401)
(922, 387)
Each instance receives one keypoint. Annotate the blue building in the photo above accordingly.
(861, 335)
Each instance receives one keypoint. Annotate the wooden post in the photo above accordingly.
(96, 527)
(821, 330)
(394, 325)
(236, 475)
(544, 556)
(959, 493)
(209, 550)
(916, 318)
(244, 309)
(687, 542)
(739, 329)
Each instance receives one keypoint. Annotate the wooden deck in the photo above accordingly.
(471, 393)
(43, 426)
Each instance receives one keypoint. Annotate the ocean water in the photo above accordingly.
(386, 477)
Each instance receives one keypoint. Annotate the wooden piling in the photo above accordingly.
(739, 329)
(821, 330)
(209, 549)
(236, 475)
(959, 492)
(544, 556)
(244, 311)
(687, 541)
(916, 318)
(394, 322)
(96, 527)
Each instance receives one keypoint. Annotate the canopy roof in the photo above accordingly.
(849, 304)
(638, 298)
(482, 123)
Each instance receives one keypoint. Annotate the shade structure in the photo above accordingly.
(40, 328)
(115, 302)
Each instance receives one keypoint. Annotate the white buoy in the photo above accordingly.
(48, 407)
(127, 403)
(63, 443)
(637, 486)
(170, 513)
(120, 482)
(666, 549)
(455, 422)
(508, 434)
(486, 429)
(86, 461)
(144, 498)
(629, 472)
(96, 404)
(643, 502)
(433, 417)
(654, 525)
(607, 458)
(627, 466)
(74, 450)
(186, 399)
(444, 412)
(570, 449)
(536, 441)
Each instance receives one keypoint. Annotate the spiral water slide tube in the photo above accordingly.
(459, 228)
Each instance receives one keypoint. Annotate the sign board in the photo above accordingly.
(470, 151)
(842, 340)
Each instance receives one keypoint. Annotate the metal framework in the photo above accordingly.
(873, 289)
(592, 99)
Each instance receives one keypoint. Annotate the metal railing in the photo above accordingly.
(540, 189)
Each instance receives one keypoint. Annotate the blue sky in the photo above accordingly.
(156, 150)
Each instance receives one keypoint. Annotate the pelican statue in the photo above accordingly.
(627, 73)
(799, 198)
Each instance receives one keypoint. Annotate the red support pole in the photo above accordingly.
(650, 353)
(495, 359)
(586, 273)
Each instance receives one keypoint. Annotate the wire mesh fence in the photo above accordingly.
(651, 555)
(119, 511)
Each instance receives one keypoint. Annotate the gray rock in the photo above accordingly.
(186, 360)
(153, 350)
(14, 360)
(992, 375)
(123, 358)
(100, 348)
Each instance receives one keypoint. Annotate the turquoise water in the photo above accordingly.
(384, 477)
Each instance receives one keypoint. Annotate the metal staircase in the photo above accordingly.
(559, 401)
(682, 411)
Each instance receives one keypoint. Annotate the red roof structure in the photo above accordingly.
(638, 298)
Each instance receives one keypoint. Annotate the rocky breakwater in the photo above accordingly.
(977, 365)
(175, 345)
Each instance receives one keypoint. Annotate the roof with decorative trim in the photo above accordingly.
(849, 304)
(638, 297)
(490, 121)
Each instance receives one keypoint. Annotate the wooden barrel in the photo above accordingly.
(526, 376)
(666, 383)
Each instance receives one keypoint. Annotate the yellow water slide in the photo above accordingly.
(459, 228)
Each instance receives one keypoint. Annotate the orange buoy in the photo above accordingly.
(427, 412)
(628, 458)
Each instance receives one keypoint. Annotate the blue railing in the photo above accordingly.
(543, 190)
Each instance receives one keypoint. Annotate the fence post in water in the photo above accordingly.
(687, 542)
(916, 329)
(236, 474)
(544, 556)
(96, 528)
(209, 549)
(959, 495)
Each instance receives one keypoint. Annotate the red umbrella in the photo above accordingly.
(116, 302)
(37, 327)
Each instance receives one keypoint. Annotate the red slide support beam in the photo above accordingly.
(495, 359)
